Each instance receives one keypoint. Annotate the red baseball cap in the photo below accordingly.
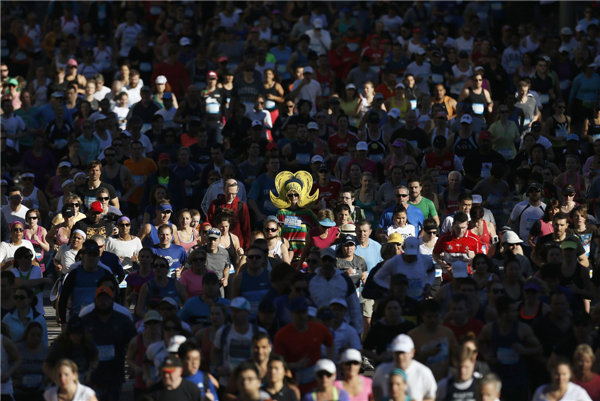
(212, 74)
(272, 145)
(163, 156)
(485, 135)
(417, 30)
(96, 207)
(223, 59)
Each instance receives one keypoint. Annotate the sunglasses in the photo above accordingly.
(503, 111)
(32, 218)
(498, 291)
(151, 322)
(564, 194)
(409, 171)
(19, 297)
(18, 230)
(161, 265)
(432, 232)
(116, 145)
(28, 179)
(166, 212)
(301, 289)
(15, 197)
(74, 204)
(272, 230)
(401, 195)
(199, 260)
(293, 195)
(320, 375)
(109, 155)
(349, 363)
(124, 225)
(103, 198)
(254, 257)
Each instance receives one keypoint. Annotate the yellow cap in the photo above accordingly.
(395, 237)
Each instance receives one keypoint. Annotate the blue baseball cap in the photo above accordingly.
(327, 222)
(164, 207)
(573, 137)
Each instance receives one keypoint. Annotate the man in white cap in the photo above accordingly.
(419, 270)
(526, 213)
(307, 88)
(421, 382)
(568, 41)
(366, 165)
(233, 342)
(320, 39)
(512, 247)
(464, 141)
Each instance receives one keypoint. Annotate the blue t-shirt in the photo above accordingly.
(414, 215)
(111, 260)
(254, 288)
(260, 193)
(371, 254)
(46, 115)
(198, 380)
(175, 255)
(195, 311)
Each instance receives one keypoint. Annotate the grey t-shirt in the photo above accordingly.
(218, 262)
(359, 78)
(529, 108)
(359, 265)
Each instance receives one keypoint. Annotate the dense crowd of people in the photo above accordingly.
(316, 201)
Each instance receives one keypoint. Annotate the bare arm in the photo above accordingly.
(141, 302)
(131, 358)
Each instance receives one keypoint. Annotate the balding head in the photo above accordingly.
(230, 189)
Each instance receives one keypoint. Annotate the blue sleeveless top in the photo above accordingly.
(254, 288)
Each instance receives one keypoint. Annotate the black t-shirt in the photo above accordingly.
(478, 165)
(416, 137)
(104, 227)
(10, 156)
(382, 334)
(286, 394)
(548, 240)
(549, 334)
(89, 195)
(186, 391)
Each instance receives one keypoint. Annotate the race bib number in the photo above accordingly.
(486, 169)
(139, 180)
(437, 78)
(545, 98)
(564, 85)
(497, 6)
(21, 56)
(353, 46)
(376, 68)
(482, 15)
(443, 179)
(213, 108)
(561, 133)
(292, 222)
(145, 66)
(352, 121)
(507, 356)
(414, 144)
(303, 158)
(478, 108)
(189, 190)
(269, 104)
(306, 375)
(529, 224)
(493, 199)
(31, 380)
(124, 282)
(155, 10)
(249, 106)
(413, 104)
(415, 289)
(106, 353)
(281, 69)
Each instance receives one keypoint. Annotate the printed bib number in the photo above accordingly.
(413, 104)
(376, 68)
(269, 104)
(564, 85)
(145, 66)
(106, 353)
(32, 380)
(545, 98)
(529, 224)
(415, 289)
(353, 46)
(213, 108)
(303, 158)
(352, 121)
(497, 6)
(443, 179)
(493, 199)
(139, 180)
(506, 153)
(249, 106)
(561, 133)
(189, 191)
(507, 356)
(414, 144)
(478, 108)
(155, 10)
(437, 78)
(281, 69)
(306, 375)
(292, 222)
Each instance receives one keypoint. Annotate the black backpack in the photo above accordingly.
(372, 290)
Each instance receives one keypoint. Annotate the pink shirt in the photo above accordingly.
(192, 283)
(367, 389)
(592, 387)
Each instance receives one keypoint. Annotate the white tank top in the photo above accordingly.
(33, 198)
(276, 250)
(41, 92)
(70, 27)
(412, 47)
(434, 134)
(530, 46)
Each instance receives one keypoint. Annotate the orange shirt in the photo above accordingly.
(385, 90)
(294, 346)
(187, 140)
(140, 172)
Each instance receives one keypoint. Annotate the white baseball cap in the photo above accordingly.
(459, 269)
(394, 113)
(241, 303)
(64, 164)
(350, 86)
(362, 145)
(411, 246)
(161, 79)
(400, 85)
(420, 51)
(351, 355)
(312, 125)
(511, 237)
(477, 199)
(184, 42)
(318, 23)
(175, 342)
(316, 159)
(308, 70)
(566, 31)
(466, 119)
(402, 343)
(339, 301)
(325, 365)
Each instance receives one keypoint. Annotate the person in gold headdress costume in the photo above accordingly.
(293, 199)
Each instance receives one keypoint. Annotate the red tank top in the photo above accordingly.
(326, 82)
(484, 238)
(444, 165)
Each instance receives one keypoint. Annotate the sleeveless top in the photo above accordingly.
(575, 278)
(254, 288)
(451, 205)
(139, 359)
(33, 197)
(39, 252)
(530, 46)
(404, 107)
(270, 105)
(153, 238)
(230, 249)
(326, 82)
(530, 319)
(462, 146)
(376, 147)
(323, 242)
(169, 290)
(368, 208)
(115, 182)
(57, 188)
(41, 92)
(484, 238)
(435, 133)
(190, 244)
(509, 362)
(393, 162)
(593, 129)
(301, 60)
(560, 131)
(277, 250)
(302, 153)
(478, 103)
(83, 393)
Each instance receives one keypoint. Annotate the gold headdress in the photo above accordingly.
(286, 182)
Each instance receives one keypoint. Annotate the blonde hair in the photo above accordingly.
(70, 364)
(582, 350)
(325, 214)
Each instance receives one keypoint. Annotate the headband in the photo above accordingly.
(80, 232)
(27, 175)
(124, 218)
(66, 182)
(79, 173)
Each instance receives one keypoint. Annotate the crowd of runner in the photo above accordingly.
(317, 201)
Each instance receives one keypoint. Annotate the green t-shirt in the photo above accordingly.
(426, 206)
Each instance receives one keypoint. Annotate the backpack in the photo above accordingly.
(372, 290)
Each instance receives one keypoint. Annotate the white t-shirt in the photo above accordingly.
(391, 24)
(124, 249)
(99, 95)
(423, 71)
(529, 215)
(167, 116)
(133, 94)
(407, 231)
(7, 250)
(309, 92)
(35, 273)
(116, 307)
(238, 347)
(420, 380)
(463, 44)
(11, 216)
(419, 273)
(128, 36)
(574, 393)
(13, 124)
(66, 256)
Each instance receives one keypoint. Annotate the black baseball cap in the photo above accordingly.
(75, 325)
(67, 211)
(439, 141)
(90, 246)
(536, 126)
(210, 277)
